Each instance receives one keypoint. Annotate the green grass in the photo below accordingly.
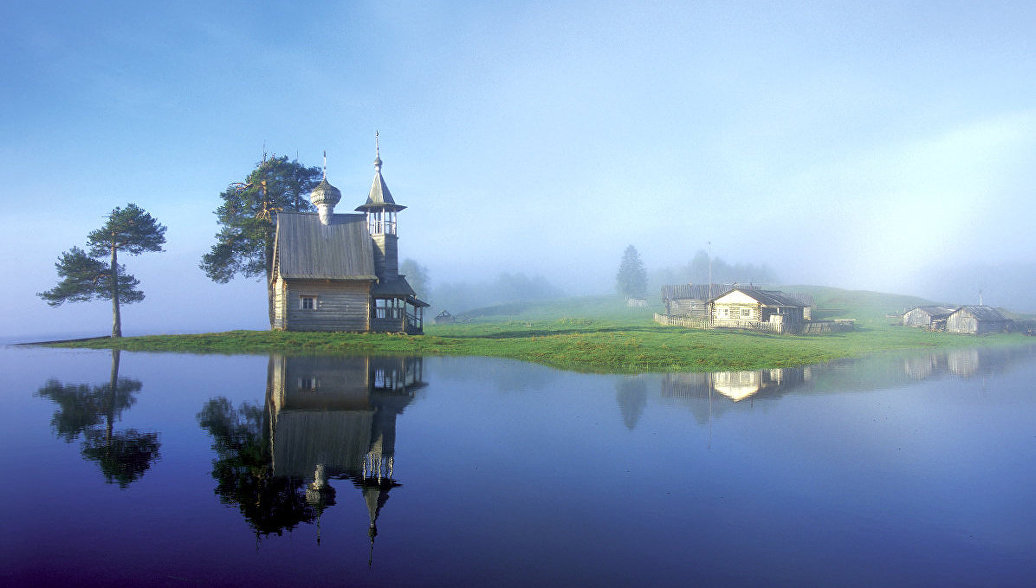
(588, 334)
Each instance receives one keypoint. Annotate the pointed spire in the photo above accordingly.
(379, 197)
(325, 165)
(377, 151)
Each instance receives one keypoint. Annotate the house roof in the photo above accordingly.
(765, 297)
(339, 250)
(691, 291)
(935, 311)
(983, 313)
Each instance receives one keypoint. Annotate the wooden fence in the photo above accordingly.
(682, 321)
(804, 328)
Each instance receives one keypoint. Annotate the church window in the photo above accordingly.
(308, 302)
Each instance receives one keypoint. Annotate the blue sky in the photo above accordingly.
(881, 146)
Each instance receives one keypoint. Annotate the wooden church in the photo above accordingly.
(340, 272)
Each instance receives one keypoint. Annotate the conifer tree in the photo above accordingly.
(84, 276)
(247, 219)
(631, 281)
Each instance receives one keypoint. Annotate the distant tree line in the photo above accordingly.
(506, 288)
(697, 272)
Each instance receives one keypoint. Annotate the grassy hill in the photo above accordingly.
(868, 308)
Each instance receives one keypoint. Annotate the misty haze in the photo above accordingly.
(468, 293)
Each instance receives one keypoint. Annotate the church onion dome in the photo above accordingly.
(325, 194)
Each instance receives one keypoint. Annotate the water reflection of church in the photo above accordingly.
(334, 418)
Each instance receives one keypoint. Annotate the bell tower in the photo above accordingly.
(381, 212)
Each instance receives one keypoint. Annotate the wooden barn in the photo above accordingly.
(977, 320)
(928, 317)
(750, 308)
(689, 300)
(339, 272)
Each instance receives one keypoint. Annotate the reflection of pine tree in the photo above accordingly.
(631, 394)
(243, 470)
(123, 456)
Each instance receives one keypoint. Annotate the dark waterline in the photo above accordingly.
(911, 469)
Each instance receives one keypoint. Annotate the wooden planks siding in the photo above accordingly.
(386, 255)
(342, 305)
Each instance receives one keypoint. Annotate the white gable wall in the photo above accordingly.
(736, 297)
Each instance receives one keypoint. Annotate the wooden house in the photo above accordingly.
(339, 272)
(977, 320)
(928, 317)
(750, 308)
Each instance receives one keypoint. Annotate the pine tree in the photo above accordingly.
(631, 281)
(85, 277)
(247, 219)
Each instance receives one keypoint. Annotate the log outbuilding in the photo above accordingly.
(977, 320)
(931, 317)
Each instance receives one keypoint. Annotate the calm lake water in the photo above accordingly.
(913, 469)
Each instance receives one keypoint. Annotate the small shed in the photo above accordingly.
(977, 320)
(928, 317)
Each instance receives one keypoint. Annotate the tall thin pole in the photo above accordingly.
(709, 245)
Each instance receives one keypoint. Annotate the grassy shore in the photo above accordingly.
(615, 340)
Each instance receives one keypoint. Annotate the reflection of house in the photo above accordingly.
(977, 320)
(921, 366)
(750, 308)
(739, 385)
(735, 385)
(335, 418)
(928, 317)
(962, 362)
(339, 272)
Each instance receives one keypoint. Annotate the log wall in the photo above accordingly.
(341, 305)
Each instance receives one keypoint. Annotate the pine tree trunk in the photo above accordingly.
(116, 316)
(110, 413)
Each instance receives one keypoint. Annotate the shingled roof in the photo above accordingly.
(936, 311)
(766, 297)
(692, 291)
(983, 313)
(339, 250)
